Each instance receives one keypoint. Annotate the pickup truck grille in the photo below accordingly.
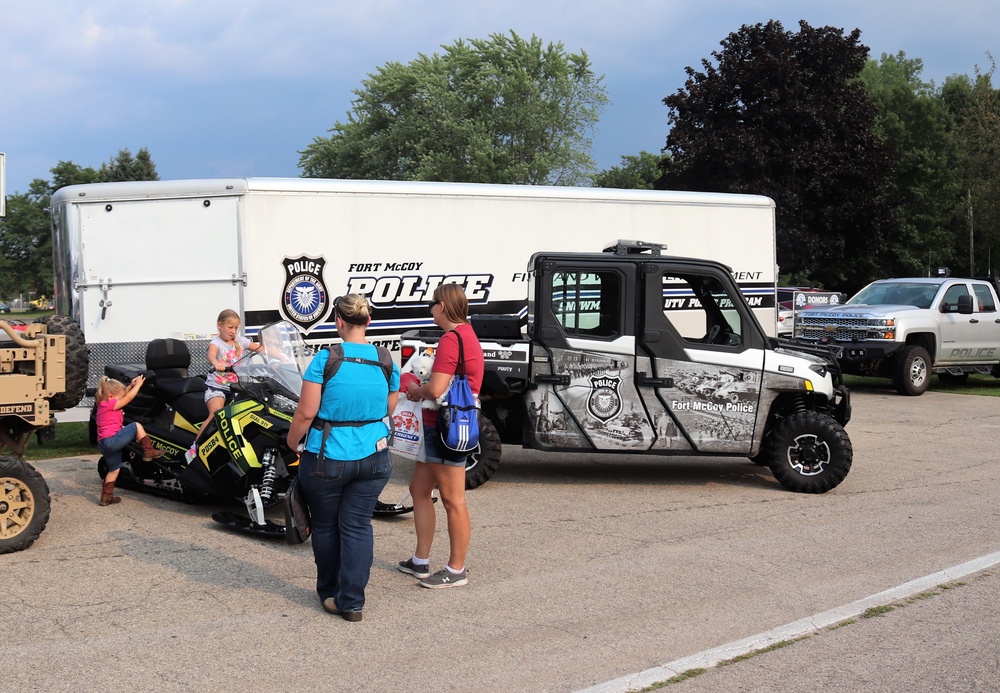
(839, 335)
(819, 323)
(840, 330)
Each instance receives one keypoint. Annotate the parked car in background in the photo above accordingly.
(4, 307)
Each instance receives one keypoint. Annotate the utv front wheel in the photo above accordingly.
(810, 453)
(485, 459)
(24, 504)
(911, 372)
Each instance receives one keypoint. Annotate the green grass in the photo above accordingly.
(983, 385)
(71, 440)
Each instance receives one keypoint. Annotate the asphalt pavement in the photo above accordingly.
(585, 571)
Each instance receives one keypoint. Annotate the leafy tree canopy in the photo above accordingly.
(924, 187)
(784, 114)
(635, 173)
(500, 110)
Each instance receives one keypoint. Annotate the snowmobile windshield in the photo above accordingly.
(281, 360)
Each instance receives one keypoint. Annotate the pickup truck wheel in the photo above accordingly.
(810, 453)
(24, 504)
(912, 371)
(485, 459)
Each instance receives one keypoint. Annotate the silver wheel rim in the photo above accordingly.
(918, 372)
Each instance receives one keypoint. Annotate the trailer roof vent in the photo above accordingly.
(627, 247)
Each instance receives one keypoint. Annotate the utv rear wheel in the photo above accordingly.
(911, 372)
(485, 459)
(77, 360)
(24, 504)
(810, 453)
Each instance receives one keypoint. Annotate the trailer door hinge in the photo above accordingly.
(240, 279)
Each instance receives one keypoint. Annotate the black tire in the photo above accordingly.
(485, 459)
(77, 360)
(911, 371)
(24, 505)
(950, 379)
(810, 453)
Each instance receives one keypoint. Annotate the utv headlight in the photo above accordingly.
(819, 369)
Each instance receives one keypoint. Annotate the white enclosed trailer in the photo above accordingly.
(142, 260)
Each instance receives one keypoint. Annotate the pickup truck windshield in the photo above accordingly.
(919, 294)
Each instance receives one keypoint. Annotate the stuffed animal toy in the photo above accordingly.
(418, 371)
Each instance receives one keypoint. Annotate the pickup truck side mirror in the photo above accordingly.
(965, 304)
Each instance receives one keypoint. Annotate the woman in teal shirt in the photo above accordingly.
(342, 485)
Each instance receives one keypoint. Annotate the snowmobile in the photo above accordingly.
(242, 452)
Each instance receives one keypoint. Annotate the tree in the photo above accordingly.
(635, 173)
(783, 114)
(975, 106)
(124, 167)
(502, 110)
(924, 188)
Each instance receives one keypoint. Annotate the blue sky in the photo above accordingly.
(233, 89)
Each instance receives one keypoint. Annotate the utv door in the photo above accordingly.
(704, 355)
(585, 394)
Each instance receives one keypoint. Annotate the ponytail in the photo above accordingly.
(106, 386)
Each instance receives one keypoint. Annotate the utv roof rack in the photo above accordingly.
(627, 247)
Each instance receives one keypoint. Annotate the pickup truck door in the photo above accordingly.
(968, 338)
(584, 395)
(701, 356)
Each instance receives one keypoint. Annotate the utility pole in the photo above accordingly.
(972, 240)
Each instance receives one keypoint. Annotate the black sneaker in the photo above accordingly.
(445, 578)
(414, 569)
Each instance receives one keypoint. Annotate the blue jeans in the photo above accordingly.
(341, 497)
(112, 446)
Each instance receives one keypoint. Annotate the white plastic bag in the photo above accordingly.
(408, 421)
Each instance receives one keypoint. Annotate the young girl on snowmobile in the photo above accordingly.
(223, 352)
(112, 437)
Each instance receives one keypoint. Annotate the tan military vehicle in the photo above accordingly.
(43, 368)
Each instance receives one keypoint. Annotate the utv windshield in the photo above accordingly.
(282, 358)
(918, 294)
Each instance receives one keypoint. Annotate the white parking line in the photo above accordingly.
(709, 658)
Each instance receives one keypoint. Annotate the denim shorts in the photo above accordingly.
(212, 393)
(112, 446)
(438, 454)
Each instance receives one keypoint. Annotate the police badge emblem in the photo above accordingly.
(305, 298)
(604, 403)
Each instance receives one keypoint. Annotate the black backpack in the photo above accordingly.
(333, 362)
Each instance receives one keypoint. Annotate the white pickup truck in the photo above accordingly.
(907, 329)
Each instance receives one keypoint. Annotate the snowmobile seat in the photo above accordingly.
(167, 363)
(168, 358)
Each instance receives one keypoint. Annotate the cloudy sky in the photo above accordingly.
(221, 88)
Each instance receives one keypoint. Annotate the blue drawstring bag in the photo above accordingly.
(458, 417)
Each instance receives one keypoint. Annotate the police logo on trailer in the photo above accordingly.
(305, 299)
(604, 402)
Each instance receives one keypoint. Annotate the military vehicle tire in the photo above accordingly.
(24, 505)
(77, 360)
